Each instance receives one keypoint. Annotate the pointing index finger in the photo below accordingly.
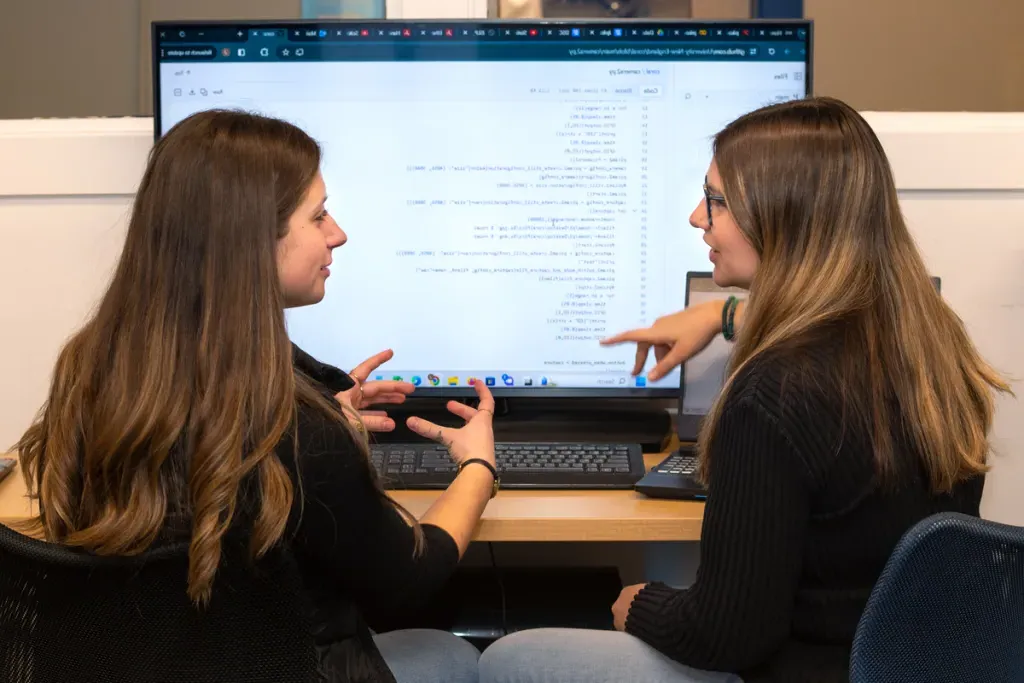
(640, 334)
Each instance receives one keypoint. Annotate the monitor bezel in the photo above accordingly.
(155, 27)
(445, 392)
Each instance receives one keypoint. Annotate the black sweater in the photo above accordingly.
(796, 531)
(347, 533)
(353, 549)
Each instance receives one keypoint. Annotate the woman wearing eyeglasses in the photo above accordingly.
(855, 406)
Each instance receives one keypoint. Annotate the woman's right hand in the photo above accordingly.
(475, 439)
(675, 338)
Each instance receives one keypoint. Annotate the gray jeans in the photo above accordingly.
(562, 655)
(428, 656)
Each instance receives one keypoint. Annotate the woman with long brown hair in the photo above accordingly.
(855, 406)
(181, 411)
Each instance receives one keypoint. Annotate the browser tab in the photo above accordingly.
(336, 40)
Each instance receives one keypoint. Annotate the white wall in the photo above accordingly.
(65, 190)
(66, 186)
(961, 182)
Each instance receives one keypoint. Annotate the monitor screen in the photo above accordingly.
(512, 193)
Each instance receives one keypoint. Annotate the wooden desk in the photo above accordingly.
(521, 515)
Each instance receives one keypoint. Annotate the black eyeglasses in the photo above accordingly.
(709, 197)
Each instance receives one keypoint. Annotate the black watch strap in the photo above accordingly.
(494, 472)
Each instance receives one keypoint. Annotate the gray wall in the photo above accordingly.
(69, 58)
(920, 55)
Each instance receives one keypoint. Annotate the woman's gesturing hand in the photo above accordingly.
(366, 393)
(475, 439)
(458, 510)
(675, 338)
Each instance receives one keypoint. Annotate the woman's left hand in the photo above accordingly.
(365, 394)
(620, 610)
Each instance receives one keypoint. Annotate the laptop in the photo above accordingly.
(700, 381)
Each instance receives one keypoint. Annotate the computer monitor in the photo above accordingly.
(703, 375)
(512, 192)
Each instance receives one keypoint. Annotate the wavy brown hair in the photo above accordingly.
(809, 185)
(181, 384)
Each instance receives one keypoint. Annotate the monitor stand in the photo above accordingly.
(593, 420)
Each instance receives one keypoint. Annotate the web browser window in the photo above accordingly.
(512, 194)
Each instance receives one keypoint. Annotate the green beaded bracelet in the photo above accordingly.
(728, 318)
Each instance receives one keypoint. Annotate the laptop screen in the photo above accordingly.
(703, 375)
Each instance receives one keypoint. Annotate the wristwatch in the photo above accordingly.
(494, 472)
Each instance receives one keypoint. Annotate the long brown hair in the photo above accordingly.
(809, 185)
(181, 384)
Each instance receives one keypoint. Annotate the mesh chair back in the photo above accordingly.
(948, 608)
(69, 617)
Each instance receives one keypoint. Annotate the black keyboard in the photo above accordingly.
(674, 477)
(520, 465)
(679, 462)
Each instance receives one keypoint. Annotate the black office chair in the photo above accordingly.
(68, 617)
(948, 608)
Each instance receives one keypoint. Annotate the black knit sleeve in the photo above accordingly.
(331, 377)
(738, 611)
(351, 532)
